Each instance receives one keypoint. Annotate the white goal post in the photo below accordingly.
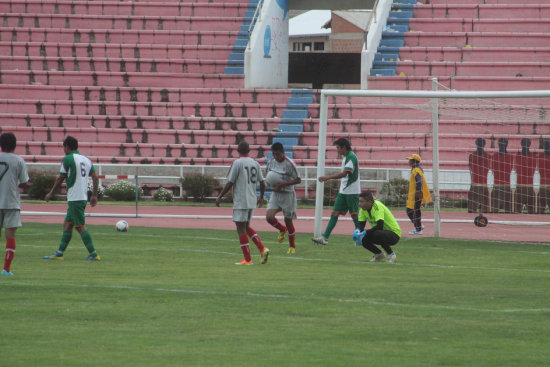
(434, 97)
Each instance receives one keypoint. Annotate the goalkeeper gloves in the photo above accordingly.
(358, 237)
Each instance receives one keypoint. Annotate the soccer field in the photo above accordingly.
(172, 297)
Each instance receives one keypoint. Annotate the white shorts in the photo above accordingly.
(242, 215)
(10, 218)
(285, 202)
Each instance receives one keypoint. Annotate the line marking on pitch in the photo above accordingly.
(285, 296)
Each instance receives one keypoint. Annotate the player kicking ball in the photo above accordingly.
(282, 176)
(385, 230)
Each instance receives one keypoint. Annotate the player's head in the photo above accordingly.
(414, 160)
(8, 142)
(342, 146)
(243, 148)
(278, 151)
(366, 199)
(502, 144)
(342, 143)
(480, 142)
(546, 144)
(70, 143)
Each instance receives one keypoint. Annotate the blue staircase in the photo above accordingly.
(292, 123)
(235, 64)
(387, 55)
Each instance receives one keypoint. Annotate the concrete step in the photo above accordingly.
(108, 8)
(472, 69)
(517, 25)
(459, 83)
(118, 36)
(143, 109)
(483, 54)
(52, 49)
(139, 122)
(77, 21)
(87, 64)
(117, 79)
(144, 94)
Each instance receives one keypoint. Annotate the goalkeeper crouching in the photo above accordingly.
(385, 230)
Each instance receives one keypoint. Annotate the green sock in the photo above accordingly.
(330, 226)
(355, 221)
(65, 239)
(87, 239)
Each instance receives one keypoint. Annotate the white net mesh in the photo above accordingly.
(493, 154)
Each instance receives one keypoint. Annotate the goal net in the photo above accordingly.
(485, 155)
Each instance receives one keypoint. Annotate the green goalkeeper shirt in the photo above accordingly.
(377, 212)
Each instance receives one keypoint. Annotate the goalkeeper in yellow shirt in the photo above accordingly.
(384, 231)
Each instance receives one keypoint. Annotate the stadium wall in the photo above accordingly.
(266, 57)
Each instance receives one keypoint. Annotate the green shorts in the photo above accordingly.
(347, 202)
(75, 213)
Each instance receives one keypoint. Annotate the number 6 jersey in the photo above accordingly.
(76, 168)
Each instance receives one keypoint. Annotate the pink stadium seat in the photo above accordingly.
(169, 9)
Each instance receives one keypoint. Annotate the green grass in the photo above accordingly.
(172, 297)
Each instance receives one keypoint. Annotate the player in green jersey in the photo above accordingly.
(76, 169)
(350, 187)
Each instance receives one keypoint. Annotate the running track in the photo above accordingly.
(462, 227)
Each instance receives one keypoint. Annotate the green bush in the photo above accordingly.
(41, 184)
(163, 194)
(100, 190)
(330, 191)
(123, 191)
(198, 186)
(395, 192)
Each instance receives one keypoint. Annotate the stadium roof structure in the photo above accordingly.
(359, 18)
(318, 22)
(310, 23)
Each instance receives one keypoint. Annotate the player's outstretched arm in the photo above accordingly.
(95, 187)
(224, 191)
(58, 181)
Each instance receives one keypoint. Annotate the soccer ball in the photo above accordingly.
(122, 226)
(273, 178)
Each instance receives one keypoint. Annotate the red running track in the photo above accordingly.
(463, 228)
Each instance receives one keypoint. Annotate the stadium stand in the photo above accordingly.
(136, 80)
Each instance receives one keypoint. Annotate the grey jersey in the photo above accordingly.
(13, 172)
(245, 174)
(287, 169)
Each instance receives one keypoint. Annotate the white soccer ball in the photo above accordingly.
(122, 226)
(273, 178)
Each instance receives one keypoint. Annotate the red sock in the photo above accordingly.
(243, 239)
(10, 253)
(291, 235)
(278, 225)
(256, 239)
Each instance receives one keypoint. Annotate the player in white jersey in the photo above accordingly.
(283, 197)
(244, 175)
(13, 173)
(76, 169)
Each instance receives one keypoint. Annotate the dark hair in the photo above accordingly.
(343, 142)
(277, 147)
(480, 142)
(71, 143)
(367, 195)
(8, 142)
(243, 147)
